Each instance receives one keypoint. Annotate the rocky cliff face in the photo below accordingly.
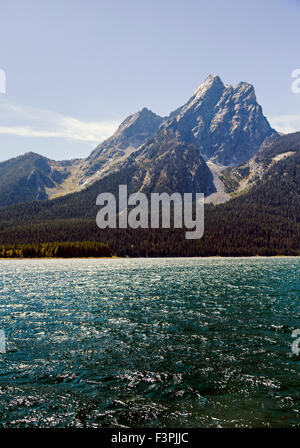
(131, 134)
(225, 123)
(167, 164)
(239, 180)
(28, 178)
(218, 126)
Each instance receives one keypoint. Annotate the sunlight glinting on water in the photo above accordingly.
(149, 342)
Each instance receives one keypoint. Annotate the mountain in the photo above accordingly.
(30, 177)
(167, 164)
(131, 134)
(239, 180)
(219, 126)
(218, 143)
(225, 123)
(264, 220)
(33, 177)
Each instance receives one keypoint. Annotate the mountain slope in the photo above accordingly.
(28, 177)
(263, 221)
(132, 133)
(225, 123)
(167, 164)
(219, 124)
(31, 176)
(239, 179)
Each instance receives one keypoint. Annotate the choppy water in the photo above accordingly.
(138, 343)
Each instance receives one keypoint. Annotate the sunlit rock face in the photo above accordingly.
(226, 123)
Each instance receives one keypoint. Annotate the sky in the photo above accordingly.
(75, 69)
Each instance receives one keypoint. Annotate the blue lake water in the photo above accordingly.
(150, 343)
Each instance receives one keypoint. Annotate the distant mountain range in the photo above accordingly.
(219, 124)
(218, 143)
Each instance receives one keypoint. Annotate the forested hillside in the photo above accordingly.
(56, 250)
(264, 221)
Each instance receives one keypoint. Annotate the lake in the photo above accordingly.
(150, 342)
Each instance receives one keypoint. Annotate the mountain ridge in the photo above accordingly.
(265, 220)
(225, 124)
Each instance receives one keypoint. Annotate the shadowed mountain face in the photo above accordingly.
(237, 180)
(33, 177)
(167, 164)
(131, 134)
(264, 220)
(225, 123)
(219, 124)
(28, 178)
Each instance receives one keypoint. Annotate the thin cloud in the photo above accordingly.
(26, 121)
(285, 123)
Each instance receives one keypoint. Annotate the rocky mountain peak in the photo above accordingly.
(225, 122)
(220, 124)
(132, 133)
(212, 82)
(207, 94)
(245, 92)
(144, 120)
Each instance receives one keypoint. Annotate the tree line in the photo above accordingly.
(65, 249)
(264, 221)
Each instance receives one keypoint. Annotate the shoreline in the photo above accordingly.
(152, 258)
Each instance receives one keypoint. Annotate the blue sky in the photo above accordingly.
(75, 69)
